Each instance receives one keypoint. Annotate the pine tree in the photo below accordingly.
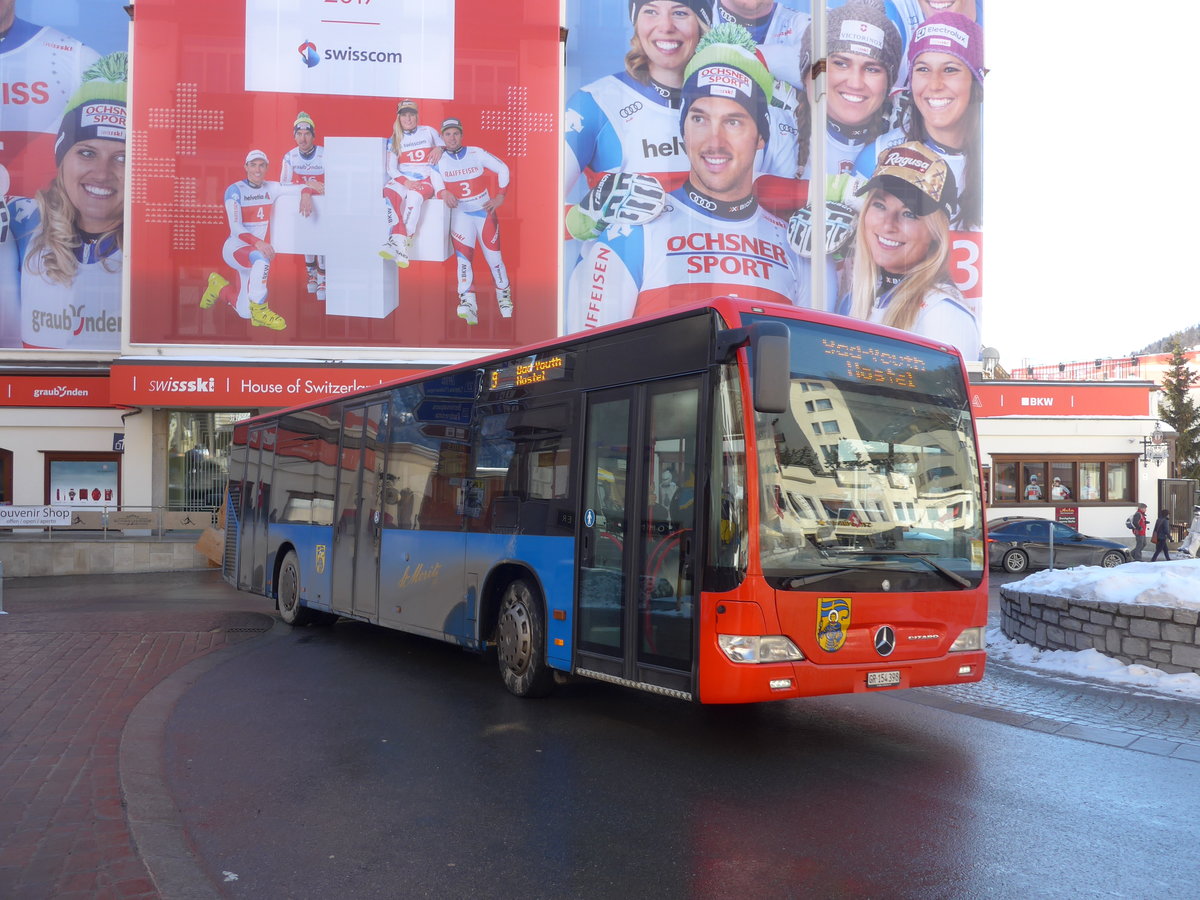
(1179, 411)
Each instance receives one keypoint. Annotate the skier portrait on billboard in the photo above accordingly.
(412, 154)
(249, 206)
(629, 121)
(304, 165)
(899, 265)
(864, 50)
(69, 237)
(946, 88)
(709, 236)
(465, 171)
(40, 68)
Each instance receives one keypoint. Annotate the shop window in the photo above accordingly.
(1062, 481)
(1005, 483)
(82, 480)
(1119, 481)
(6, 486)
(1025, 481)
(198, 457)
(1089, 481)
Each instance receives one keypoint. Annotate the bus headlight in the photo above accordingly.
(758, 648)
(970, 639)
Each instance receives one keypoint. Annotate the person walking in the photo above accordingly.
(1161, 535)
(1137, 522)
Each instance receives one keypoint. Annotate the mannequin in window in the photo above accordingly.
(1033, 490)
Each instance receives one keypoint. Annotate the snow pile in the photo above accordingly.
(1173, 584)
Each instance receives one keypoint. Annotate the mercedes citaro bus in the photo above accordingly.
(728, 503)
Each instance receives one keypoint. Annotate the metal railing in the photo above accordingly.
(118, 523)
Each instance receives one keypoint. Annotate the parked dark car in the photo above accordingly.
(1018, 543)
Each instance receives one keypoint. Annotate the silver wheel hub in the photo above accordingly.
(513, 641)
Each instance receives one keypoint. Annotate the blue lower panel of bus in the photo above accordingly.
(431, 582)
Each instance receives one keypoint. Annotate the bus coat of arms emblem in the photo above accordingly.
(833, 622)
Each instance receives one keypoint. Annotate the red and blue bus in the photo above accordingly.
(732, 502)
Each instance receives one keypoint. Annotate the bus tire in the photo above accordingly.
(521, 641)
(287, 595)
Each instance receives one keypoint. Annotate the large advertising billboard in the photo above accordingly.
(689, 152)
(326, 174)
(62, 173)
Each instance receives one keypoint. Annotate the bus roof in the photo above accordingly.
(731, 309)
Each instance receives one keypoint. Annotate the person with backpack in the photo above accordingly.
(1137, 523)
(1161, 536)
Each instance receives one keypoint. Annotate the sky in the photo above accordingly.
(1088, 227)
(1175, 584)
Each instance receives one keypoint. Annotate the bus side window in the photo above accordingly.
(494, 477)
(412, 460)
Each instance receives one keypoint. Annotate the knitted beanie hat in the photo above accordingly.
(97, 108)
(952, 33)
(702, 8)
(727, 64)
(304, 120)
(863, 27)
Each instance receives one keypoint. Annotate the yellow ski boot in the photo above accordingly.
(216, 284)
(261, 314)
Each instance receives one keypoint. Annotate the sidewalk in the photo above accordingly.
(77, 655)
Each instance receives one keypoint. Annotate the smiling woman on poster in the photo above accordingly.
(946, 86)
(629, 121)
(900, 262)
(70, 236)
(864, 50)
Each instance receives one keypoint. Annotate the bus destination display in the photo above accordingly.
(528, 371)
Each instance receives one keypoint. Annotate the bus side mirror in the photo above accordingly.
(771, 350)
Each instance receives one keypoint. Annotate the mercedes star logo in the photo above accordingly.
(885, 641)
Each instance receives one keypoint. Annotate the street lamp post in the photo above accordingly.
(1154, 447)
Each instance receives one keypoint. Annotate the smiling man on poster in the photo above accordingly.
(713, 238)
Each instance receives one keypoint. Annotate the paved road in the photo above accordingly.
(147, 721)
(78, 657)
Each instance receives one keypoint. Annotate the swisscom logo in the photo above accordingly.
(308, 53)
(311, 56)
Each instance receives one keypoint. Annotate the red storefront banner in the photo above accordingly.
(54, 391)
(240, 386)
(1041, 399)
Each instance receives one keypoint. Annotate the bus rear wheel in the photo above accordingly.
(288, 594)
(521, 642)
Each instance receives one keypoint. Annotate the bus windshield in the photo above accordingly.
(872, 471)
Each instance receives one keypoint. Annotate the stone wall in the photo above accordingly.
(38, 557)
(1161, 637)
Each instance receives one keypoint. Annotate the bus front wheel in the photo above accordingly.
(288, 596)
(521, 642)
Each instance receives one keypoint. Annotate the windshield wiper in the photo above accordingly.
(949, 574)
(800, 581)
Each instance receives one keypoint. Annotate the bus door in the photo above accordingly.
(255, 508)
(358, 512)
(636, 598)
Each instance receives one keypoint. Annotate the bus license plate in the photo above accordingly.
(883, 679)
